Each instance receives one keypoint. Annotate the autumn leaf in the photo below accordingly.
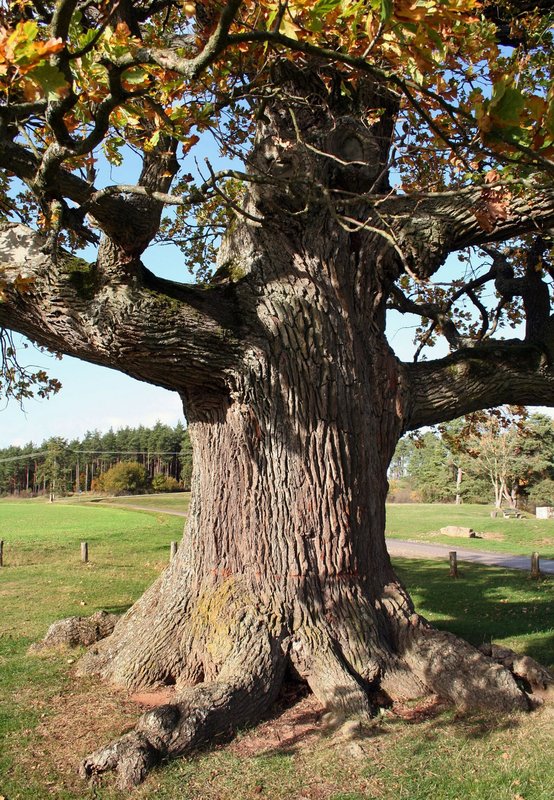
(492, 208)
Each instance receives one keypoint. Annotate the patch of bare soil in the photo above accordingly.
(299, 723)
(154, 699)
(419, 711)
(292, 728)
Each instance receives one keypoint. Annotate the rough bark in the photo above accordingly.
(295, 403)
(115, 313)
(287, 521)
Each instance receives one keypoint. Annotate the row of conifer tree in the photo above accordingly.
(76, 465)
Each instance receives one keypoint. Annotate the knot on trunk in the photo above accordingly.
(323, 128)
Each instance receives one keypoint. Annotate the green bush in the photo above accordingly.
(163, 483)
(127, 477)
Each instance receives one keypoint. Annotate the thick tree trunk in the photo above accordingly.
(284, 562)
(295, 404)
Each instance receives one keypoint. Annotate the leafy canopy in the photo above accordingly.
(85, 75)
(81, 81)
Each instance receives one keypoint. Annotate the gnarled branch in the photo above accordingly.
(429, 227)
(488, 375)
(169, 334)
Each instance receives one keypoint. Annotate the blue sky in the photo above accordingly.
(91, 397)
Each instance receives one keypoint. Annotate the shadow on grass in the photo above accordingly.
(122, 609)
(485, 604)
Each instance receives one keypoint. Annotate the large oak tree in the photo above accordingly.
(376, 138)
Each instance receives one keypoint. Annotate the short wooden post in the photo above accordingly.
(535, 565)
(1, 552)
(173, 550)
(84, 552)
(453, 564)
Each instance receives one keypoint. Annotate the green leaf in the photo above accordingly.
(507, 104)
(325, 6)
(387, 7)
(135, 76)
(50, 79)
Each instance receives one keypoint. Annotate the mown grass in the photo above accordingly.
(177, 501)
(485, 604)
(444, 758)
(49, 719)
(422, 522)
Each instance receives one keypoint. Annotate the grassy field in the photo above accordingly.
(178, 501)
(422, 522)
(49, 719)
(414, 521)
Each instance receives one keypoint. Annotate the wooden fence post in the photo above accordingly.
(173, 550)
(535, 565)
(84, 552)
(1, 552)
(453, 564)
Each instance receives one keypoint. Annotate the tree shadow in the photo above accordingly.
(485, 604)
(121, 609)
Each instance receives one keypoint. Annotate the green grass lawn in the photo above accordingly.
(422, 522)
(49, 719)
(174, 501)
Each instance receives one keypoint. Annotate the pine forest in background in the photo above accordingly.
(77, 465)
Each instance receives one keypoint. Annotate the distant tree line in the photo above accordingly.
(58, 466)
(496, 457)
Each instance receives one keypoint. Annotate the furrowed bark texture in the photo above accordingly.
(295, 404)
(287, 520)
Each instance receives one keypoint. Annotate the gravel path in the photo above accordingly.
(406, 549)
(143, 508)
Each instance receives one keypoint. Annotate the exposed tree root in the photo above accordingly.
(352, 655)
(524, 668)
(247, 684)
(456, 671)
(75, 631)
(442, 663)
(318, 660)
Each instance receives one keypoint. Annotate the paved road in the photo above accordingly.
(406, 549)
(399, 547)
